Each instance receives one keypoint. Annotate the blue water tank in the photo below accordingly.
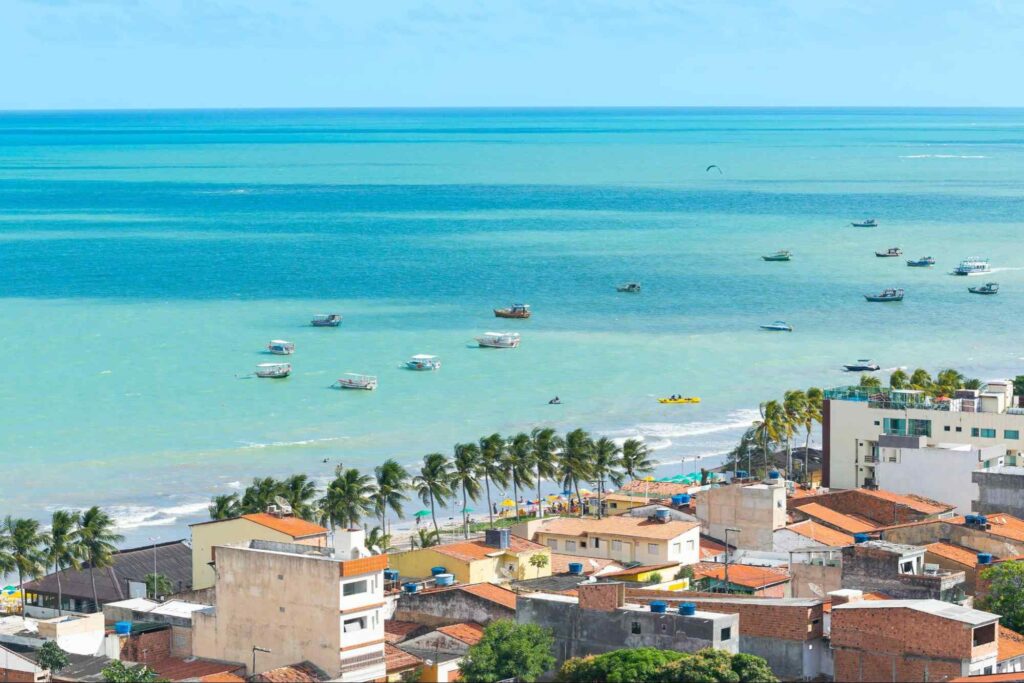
(774, 474)
(860, 538)
(981, 519)
(410, 587)
(661, 514)
(677, 499)
(576, 568)
(659, 606)
(434, 571)
(444, 579)
(123, 628)
(391, 575)
(685, 499)
(970, 519)
(984, 558)
(687, 609)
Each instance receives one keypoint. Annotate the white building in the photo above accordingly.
(942, 472)
(623, 538)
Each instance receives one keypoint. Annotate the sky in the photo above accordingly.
(145, 54)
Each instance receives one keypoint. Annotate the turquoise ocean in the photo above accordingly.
(146, 259)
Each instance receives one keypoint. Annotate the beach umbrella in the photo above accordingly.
(466, 510)
(10, 590)
(585, 492)
(509, 503)
(422, 513)
(552, 498)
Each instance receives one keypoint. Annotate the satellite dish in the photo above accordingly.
(282, 503)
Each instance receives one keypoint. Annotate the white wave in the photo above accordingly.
(943, 156)
(136, 516)
(234, 485)
(290, 444)
(1000, 270)
(739, 419)
(658, 444)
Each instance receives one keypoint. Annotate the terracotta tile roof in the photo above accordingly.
(397, 660)
(396, 631)
(846, 523)
(637, 527)
(1005, 525)
(1011, 645)
(293, 526)
(468, 632)
(222, 678)
(560, 563)
(990, 678)
(710, 548)
(956, 553)
(799, 493)
(489, 591)
(656, 489)
(742, 574)
(177, 669)
(921, 504)
(820, 533)
(827, 606)
(468, 551)
(633, 571)
(304, 672)
(622, 498)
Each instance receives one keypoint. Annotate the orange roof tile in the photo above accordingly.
(990, 678)
(710, 548)
(396, 660)
(1011, 644)
(560, 563)
(395, 631)
(293, 526)
(956, 553)
(840, 521)
(304, 672)
(176, 668)
(921, 504)
(820, 533)
(489, 591)
(468, 632)
(655, 489)
(742, 574)
(638, 527)
(468, 551)
(1007, 526)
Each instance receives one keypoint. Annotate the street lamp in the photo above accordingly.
(255, 649)
(727, 530)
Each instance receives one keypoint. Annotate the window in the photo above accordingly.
(353, 625)
(677, 548)
(907, 567)
(1011, 434)
(988, 433)
(894, 426)
(652, 548)
(919, 427)
(597, 542)
(946, 428)
(281, 610)
(959, 429)
(280, 577)
(726, 633)
(570, 546)
(635, 628)
(354, 588)
(583, 544)
(877, 423)
(616, 546)
(553, 543)
(689, 545)
(984, 634)
(974, 431)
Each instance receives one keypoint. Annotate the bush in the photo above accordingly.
(705, 666)
(1005, 595)
(752, 669)
(639, 665)
(509, 650)
(655, 577)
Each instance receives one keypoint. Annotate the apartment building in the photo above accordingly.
(647, 540)
(756, 510)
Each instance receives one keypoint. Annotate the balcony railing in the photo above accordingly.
(361, 661)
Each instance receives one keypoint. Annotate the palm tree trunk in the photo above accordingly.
(21, 585)
(540, 503)
(515, 496)
(789, 456)
(487, 485)
(434, 516)
(579, 501)
(600, 490)
(807, 446)
(465, 515)
(60, 591)
(95, 595)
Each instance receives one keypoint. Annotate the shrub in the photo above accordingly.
(639, 665)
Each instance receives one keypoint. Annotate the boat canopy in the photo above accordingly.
(423, 356)
(500, 334)
(280, 342)
(274, 365)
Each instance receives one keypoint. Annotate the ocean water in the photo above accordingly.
(146, 259)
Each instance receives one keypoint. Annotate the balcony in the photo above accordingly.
(349, 664)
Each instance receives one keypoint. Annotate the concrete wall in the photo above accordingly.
(974, 538)
(225, 532)
(417, 564)
(684, 548)
(441, 608)
(16, 669)
(999, 490)
(874, 569)
(784, 541)
(815, 580)
(756, 509)
(942, 474)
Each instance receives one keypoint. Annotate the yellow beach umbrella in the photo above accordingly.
(648, 478)
(585, 492)
(552, 498)
(509, 503)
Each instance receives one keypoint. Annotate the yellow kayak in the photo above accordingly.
(684, 399)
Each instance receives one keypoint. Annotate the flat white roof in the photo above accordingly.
(946, 610)
(135, 604)
(178, 608)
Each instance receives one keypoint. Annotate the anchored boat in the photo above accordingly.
(889, 294)
(629, 287)
(866, 223)
(680, 399)
(498, 340)
(923, 262)
(778, 326)
(862, 365)
(987, 288)
(353, 381)
(890, 252)
(513, 311)
(273, 370)
(973, 266)
(781, 255)
(326, 320)
(279, 347)
(423, 362)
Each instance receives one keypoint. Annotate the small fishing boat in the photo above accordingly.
(326, 320)
(498, 340)
(987, 288)
(923, 262)
(423, 362)
(866, 223)
(973, 266)
(629, 287)
(889, 294)
(274, 370)
(680, 399)
(889, 253)
(780, 255)
(513, 311)
(778, 326)
(353, 381)
(280, 347)
(862, 365)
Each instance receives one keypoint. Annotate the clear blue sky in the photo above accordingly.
(349, 53)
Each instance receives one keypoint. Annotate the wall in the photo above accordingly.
(17, 669)
(151, 646)
(633, 549)
(974, 538)
(416, 564)
(784, 541)
(79, 634)
(999, 490)
(756, 509)
(937, 473)
(874, 569)
(441, 608)
(207, 535)
(815, 580)
(860, 502)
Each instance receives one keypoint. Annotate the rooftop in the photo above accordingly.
(556, 583)
(491, 592)
(395, 631)
(560, 563)
(397, 660)
(623, 498)
(640, 569)
(956, 553)
(303, 672)
(179, 669)
(469, 551)
(742, 574)
(656, 489)
(902, 399)
(1011, 644)
(637, 527)
(710, 548)
(850, 525)
(293, 526)
(827, 607)
(820, 533)
(937, 608)
(468, 632)
(920, 504)
(901, 549)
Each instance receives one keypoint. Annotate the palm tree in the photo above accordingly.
(22, 543)
(973, 383)
(899, 379)
(465, 464)
(347, 499)
(576, 462)
(870, 382)
(769, 427)
(158, 585)
(378, 541)
(392, 480)
(225, 506)
(63, 551)
(425, 538)
(794, 405)
(259, 495)
(300, 492)
(606, 463)
(519, 465)
(97, 537)
(492, 450)
(546, 444)
(635, 458)
(813, 413)
(433, 483)
(921, 380)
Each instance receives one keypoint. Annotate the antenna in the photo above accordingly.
(286, 507)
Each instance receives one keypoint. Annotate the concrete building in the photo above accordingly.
(1000, 489)
(302, 602)
(898, 571)
(955, 558)
(263, 526)
(680, 514)
(622, 538)
(757, 510)
(1001, 535)
(743, 579)
(600, 621)
(862, 426)
(618, 503)
(499, 556)
(911, 640)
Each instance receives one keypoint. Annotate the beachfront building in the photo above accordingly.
(499, 556)
(862, 428)
(275, 525)
(647, 540)
(755, 510)
(300, 602)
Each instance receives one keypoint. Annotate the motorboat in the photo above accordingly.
(680, 399)
(274, 370)
(778, 326)
(326, 320)
(923, 262)
(987, 288)
(780, 255)
(973, 266)
(889, 294)
(866, 223)
(629, 287)
(423, 362)
(498, 340)
(862, 365)
(353, 381)
(280, 347)
(889, 253)
(513, 311)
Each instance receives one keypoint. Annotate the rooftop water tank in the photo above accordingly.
(658, 606)
(576, 568)
(410, 587)
(687, 609)
(123, 628)
(860, 538)
(661, 514)
(677, 499)
(444, 579)
(981, 520)
(970, 519)
(984, 558)
(391, 575)
(774, 474)
(434, 571)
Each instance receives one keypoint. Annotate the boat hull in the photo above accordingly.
(680, 401)
(365, 386)
(920, 264)
(887, 255)
(883, 299)
(502, 313)
(422, 367)
(497, 345)
(326, 323)
(776, 258)
(861, 368)
(864, 225)
(981, 290)
(771, 328)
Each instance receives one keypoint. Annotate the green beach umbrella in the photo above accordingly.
(422, 513)
(466, 510)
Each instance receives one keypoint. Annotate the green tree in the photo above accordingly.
(392, 480)
(752, 669)
(378, 541)
(158, 586)
(747, 447)
(52, 658)
(225, 506)
(259, 495)
(921, 380)
(546, 445)
(633, 665)
(685, 572)
(718, 666)
(63, 550)
(899, 379)
(347, 499)
(576, 463)
(300, 492)
(973, 383)
(425, 538)
(812, 415)
(119, 672)
(465, 466)
(22, 550)
(492, 451)
(538, 561)
(655, 578)
(519, 465)
(1005, 595)
(433, 483)
(794, 409)
(509, 650)
(606, 463)
(769, 428)
(869, 382)
(636, 459)
(97, 536)
(1018, 385)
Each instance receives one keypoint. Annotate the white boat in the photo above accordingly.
(274, 370)
(499, 340)
(973, 266)
(353, 381)
(280, 347)
(422, 361)
(778, 326)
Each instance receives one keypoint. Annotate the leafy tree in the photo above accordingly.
(606, 463)
(519, 465)
(425, 538)
(259, 495)
(639, 665)
(392, 480)
(119, 672)
(539, 561)
(636, 458)
(377, 541)
(684, 573)
(545, 445)
(492, 451)
(465, 464)
(794, 406)
(52, 658)
(97, 536)
(300, 492)
(63, 549)
(1018, 385)
(812, 414)
(899, 379)
(973, 383)
(769, 428)
(226, 506)
(158, 585)
(576, 463)
(509, 650)
(869, 382)
(718, 666)
(920, 379)
(752, 669)
(346, 499)
(1005, 595)
(21, 550)
(433, 483)
(655, 577)
(747, 447)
